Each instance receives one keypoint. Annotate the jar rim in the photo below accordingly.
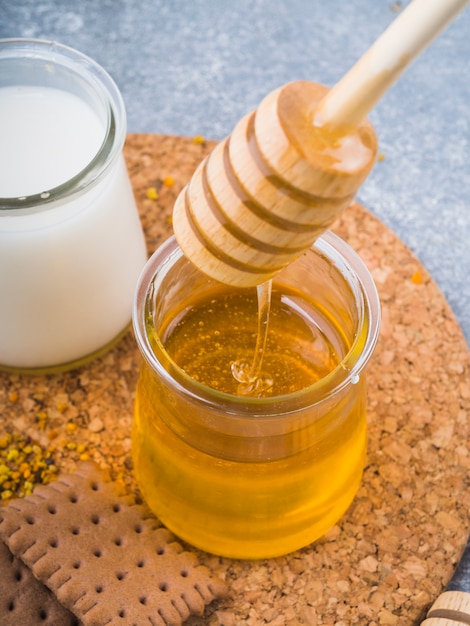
(82, 67)
(345, 373)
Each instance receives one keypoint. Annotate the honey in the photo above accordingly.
(222, 329)
(243, 509)
(247, 472)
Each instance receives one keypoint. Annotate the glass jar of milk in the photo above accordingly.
(71, 242)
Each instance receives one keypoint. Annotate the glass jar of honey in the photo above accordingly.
(240, 471)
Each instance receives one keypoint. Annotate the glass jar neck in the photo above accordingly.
(48, 65)
(169, 275)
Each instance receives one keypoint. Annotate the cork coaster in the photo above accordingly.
(105, 558)
(24, 600)
(394, 551)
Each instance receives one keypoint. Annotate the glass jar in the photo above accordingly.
(254, 477)
(71, 242)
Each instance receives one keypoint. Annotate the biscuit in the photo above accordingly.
(24, 600)
(106, 558)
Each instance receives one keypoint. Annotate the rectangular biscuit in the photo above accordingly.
(25, 600)
(107, 559)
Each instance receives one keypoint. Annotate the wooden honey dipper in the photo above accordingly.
(289, 168)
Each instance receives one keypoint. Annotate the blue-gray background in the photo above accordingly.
(194, 67)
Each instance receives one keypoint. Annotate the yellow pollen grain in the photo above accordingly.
(12, 454)
(152, 193)
(5, 441)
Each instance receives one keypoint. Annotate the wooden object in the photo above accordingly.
(395, 549)
(452, 608)
(270, 189)
(291, 167)
(376, 71)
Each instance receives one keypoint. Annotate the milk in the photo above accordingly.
(47, 136)
(68, 268)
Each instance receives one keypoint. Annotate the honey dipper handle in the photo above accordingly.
(452, 608)
(361, 88)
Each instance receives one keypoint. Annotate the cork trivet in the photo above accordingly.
(394, 551)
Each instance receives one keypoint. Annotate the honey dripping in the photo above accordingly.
(261, 342)
(253, 381)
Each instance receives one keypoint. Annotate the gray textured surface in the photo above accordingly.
(190, 67)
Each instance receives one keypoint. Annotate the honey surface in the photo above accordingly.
(301, 346)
